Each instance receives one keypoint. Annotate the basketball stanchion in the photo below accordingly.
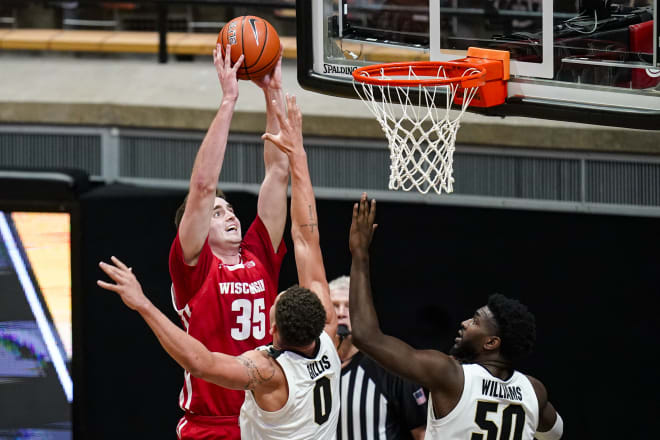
(420, 129)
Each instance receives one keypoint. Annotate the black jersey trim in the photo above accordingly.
(493, 376)
(316, 350)
(272, 351)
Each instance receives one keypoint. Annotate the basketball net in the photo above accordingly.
(421, 135)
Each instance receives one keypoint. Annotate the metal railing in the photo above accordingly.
(545, 180)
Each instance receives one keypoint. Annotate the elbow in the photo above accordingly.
(196, 372)
(303, 240)
(202, 187)
(195, 366)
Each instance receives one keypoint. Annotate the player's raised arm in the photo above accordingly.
(271, 205)
(195, 223)
(304, 220)
(430, 368)
(247, 371)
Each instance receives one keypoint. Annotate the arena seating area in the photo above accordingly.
(179, 43)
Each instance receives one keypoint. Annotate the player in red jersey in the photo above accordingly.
(224, 285)
(291, 386)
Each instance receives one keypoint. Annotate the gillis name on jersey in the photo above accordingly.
(233, 288)
(317, 367)
(496, 389)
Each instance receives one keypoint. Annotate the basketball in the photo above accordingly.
(256, 39)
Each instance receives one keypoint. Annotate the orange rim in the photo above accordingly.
(380, 74)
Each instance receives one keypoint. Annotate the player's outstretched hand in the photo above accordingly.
(126, 285)
(227, 72)
(273, 79)
(362, 226)
(289, 139)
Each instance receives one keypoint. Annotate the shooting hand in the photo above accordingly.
(227, 72)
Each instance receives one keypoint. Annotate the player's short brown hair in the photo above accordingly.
(299, 316)
(180, 210)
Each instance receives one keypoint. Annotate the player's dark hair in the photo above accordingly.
(516, 326)
(300, 316)
(179, 212)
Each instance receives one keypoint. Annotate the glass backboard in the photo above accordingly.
(587, 61)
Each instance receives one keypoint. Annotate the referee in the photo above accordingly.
(374, 403)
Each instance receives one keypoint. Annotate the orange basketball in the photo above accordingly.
(255, 38)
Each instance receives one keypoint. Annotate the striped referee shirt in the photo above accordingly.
(376, 404)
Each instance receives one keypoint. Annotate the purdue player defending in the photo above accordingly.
(313, 373)
(223, 284)
(292, 387)
(475, 392)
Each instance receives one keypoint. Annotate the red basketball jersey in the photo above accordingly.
(226, 307)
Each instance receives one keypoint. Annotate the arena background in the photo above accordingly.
(591, 280)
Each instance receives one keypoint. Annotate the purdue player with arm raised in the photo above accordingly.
(312, 409)
(291, 387)
(475, 392)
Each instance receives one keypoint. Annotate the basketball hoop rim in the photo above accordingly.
(430, 68)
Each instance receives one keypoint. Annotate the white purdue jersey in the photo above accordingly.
(489, 408)
(312, 409)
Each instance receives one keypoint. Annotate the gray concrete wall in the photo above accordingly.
(138, 92)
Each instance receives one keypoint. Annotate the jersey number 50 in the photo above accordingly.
(483, 408)
(251, 320)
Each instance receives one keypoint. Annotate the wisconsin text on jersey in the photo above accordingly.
(493, 388)
(317, 367)
(236, 288)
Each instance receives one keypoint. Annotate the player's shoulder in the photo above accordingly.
(260, 356)
(326, 339)
(446, 364)
(539, 388)
(263, 370)
(536, 383)
(261, 359)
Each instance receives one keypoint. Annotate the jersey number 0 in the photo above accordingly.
(322, 400)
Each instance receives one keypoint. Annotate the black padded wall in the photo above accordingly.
(591, 280)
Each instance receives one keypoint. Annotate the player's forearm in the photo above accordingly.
(305, 234)
(390, 352)
(183, 348)
(272, 202)
(209, 159)
(273, 157)
(304, 220)
(273, 97)
(364, 320)
(217, 368)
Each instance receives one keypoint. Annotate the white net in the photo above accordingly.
(421, 135)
